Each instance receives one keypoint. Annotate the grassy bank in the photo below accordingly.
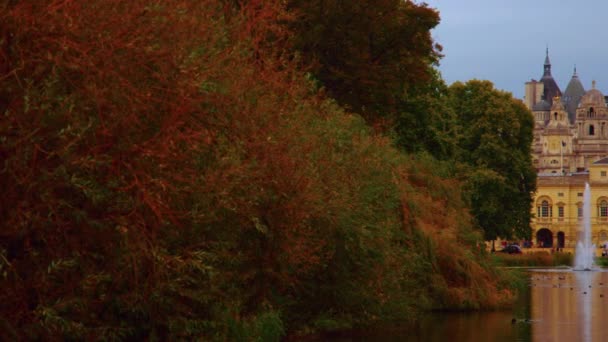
(602, 262)
(539, 259)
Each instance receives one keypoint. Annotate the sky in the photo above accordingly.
(504, 41)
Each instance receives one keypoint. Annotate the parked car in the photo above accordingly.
(511, 249)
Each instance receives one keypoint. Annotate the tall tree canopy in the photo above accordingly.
(494, 141)
(366, 53)
(425, 121)
(168, 175)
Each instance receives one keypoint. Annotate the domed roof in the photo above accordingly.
(572, 95)
(575, 87)
(541, 106)
(593, 97)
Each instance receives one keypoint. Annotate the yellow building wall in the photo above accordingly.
(598, 174)
(567, 191)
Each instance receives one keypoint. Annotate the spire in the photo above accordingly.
(547, 64)
(551, 89)
(574, 74)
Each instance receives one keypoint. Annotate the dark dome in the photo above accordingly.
(551, 89)
(572, 96)
(575, 87)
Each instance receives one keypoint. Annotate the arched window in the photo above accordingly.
(591, 130)
(555, 116)
(544, 209)
(579, 210)
(603, 209)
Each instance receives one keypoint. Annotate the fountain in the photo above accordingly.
(574, 322)
(585, 251)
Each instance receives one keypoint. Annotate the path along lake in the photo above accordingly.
(561, 305)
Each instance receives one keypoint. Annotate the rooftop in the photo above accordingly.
(603, 161)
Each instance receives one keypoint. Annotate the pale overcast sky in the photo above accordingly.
(504, 41)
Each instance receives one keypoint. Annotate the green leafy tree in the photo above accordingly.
(425, 121)
(493, 142)
(366, 53)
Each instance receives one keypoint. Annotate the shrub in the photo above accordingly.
(534, 259)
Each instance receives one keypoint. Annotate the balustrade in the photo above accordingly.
(568, 220)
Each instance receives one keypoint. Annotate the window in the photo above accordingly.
(603, 173)
(560, 194)
(545, 209)
(560, 211)
(580, 194)
(591, 130)
(603, 208)
(579, 211)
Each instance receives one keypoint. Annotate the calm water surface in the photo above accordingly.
(562, 305)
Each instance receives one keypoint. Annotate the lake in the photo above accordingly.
(561, 305)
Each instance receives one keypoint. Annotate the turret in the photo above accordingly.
(550, 88)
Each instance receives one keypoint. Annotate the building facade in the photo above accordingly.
(570, 149)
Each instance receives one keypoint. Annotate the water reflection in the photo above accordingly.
(569, 306)
(562, 305)
(454, 327)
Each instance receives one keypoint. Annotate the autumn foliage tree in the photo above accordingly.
(169, 173)
(109, 120)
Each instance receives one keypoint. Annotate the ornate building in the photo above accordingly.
(570, 148)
